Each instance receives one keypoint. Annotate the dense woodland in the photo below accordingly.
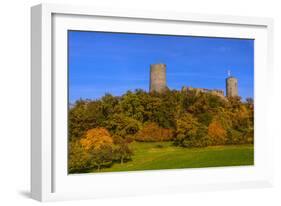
(100, 131)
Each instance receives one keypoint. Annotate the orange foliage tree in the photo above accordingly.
(151, 132)
(98, 144)
(96, 139)
(217, 133)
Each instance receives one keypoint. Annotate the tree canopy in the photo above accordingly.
(189, 119)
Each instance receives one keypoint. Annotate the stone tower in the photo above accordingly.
(231, 86)
(157, 78)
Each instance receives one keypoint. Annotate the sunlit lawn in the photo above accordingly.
(163, 155)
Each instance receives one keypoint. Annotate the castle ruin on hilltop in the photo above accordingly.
(158, 83)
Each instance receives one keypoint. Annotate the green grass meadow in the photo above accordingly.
(163, 155)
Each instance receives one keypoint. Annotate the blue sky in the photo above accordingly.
(100, 62)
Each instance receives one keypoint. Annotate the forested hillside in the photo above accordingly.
(100, 131)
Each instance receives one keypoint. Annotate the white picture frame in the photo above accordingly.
(49, 178)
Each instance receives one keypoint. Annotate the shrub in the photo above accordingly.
(238, 137)
(159, 146)
(234, 136)
(249, 136)
(151, 132)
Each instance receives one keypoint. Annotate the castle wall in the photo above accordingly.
(204, 90)
(157, 78)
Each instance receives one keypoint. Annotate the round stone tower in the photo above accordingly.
(157, 78)
(231, 87)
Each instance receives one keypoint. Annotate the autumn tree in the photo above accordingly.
(217, 133)
(98, 144)
(96, 138)
(151, 132)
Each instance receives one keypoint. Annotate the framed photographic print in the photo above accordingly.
(135, 102)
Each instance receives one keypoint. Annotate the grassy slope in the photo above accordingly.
(147, 156)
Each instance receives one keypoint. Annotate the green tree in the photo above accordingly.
(122, 125)
(190, 133)
(101, 157)
(122, 151)
(78, 158)
(131, 106)
(110, 105)
(77, 120)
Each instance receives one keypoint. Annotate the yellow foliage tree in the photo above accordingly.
(98, 144)
(96, 138)
(217, 133)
